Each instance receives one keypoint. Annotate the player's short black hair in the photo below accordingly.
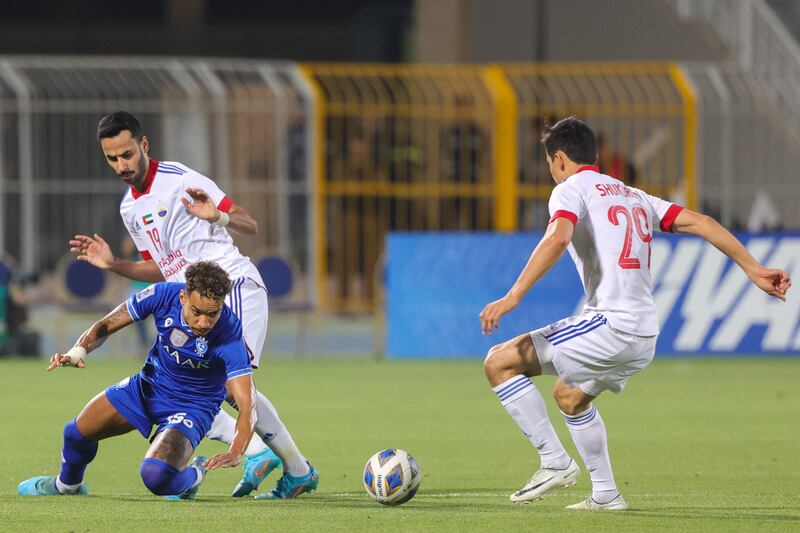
(208, 278)
(574, 138)
(113, 124)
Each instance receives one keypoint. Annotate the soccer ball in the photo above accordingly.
(391, 477)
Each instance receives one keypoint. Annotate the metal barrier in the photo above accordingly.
(328, 158)
(405, 148)
(412, 148)
(761, 43)
(245, 124)
(746, 149)
(643, 114)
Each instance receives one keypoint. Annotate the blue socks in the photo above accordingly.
(165, 480)
(76, 454)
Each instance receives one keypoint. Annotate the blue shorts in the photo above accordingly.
(135, 400)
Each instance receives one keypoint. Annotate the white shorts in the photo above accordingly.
(248, 301)
(586, 352)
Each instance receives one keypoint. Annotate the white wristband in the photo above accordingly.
(223, 220)
(75, 354)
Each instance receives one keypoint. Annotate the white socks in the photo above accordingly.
(589, 434)
(223, 429)
(63, 488)
(277, 437)
(526, 406)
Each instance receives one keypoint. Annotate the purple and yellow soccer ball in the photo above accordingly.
(391, 477)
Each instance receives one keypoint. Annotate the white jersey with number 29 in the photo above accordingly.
(610, 246)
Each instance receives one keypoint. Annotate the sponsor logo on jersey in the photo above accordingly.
(191, 363)
(201, 346)
(147, 219)
(145, 293)
(178, 337)
(137, 225)
(162, 210)
(168, 322)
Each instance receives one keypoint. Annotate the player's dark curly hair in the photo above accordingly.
(117, 122)
(574, 138)
(207, 278)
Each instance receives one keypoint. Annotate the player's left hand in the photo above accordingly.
(490, 316)
(773, 281)
(201, 205)
(224, 460)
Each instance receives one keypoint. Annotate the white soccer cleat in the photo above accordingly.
(617, 504)
(545, 480)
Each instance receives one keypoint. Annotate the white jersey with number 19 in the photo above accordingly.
(165, 232)
(611, 245)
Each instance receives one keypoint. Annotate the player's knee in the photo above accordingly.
(491, 361)
(157, 476)
(501, 360)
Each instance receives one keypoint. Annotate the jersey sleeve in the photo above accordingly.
(145, 302)
(237, 362)
(664, 212)
(198, 181)
(566, 201)
(232, 349)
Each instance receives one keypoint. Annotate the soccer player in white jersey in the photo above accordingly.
(177, 217)
(607, 228)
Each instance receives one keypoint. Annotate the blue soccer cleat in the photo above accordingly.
(291, 486)
(46, 486)
(256, 469)
(188, 494)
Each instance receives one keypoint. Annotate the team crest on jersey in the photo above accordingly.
(178, 337)
(145, 293)
(162, 210)
(147, 219)
(201, 346)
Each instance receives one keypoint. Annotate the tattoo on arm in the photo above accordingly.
(96, 335)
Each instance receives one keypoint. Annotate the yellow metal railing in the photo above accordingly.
(456, 147)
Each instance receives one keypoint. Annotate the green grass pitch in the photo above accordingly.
(703, 444)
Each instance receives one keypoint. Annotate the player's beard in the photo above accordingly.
(136, 180)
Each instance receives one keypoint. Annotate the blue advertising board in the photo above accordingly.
(437, 284)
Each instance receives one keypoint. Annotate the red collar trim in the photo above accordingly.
(593, 168)
(148, 181)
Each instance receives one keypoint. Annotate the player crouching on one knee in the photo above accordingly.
(179, 390)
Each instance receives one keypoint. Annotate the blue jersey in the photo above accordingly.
(182, 366)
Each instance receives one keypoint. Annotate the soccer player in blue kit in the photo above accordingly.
(179, 389)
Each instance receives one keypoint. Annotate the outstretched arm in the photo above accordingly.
(96, 251)
(92, 338)
(773, 281)
(203, 207)
(544, 256)
(243, 391)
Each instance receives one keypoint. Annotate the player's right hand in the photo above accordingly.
(93, 249)
(63, 360)
(224, 460)
(490, 316)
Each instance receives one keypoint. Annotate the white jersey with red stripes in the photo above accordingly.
(165, 232)
(610, 246)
